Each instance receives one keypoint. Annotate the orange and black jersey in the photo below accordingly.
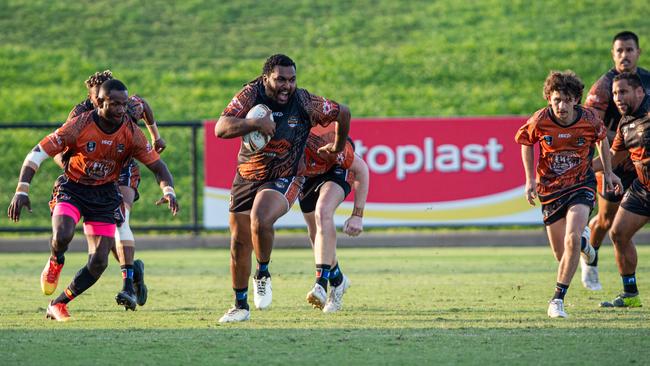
(134, 107)
(600, 96)
(315, 164)
(565, 151)
(283, 155)
(634, 135)
(96, 157)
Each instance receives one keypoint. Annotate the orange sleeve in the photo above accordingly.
(142, 149)
(599, 95)
(526, 135)
(347, 156)
(135, 107)
(241, 103)
(322, 111)
(65, 135)
(618, 144)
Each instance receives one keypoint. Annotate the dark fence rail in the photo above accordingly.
(194, 226)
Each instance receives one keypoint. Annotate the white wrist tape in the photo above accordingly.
(169, 190)
(35, 157)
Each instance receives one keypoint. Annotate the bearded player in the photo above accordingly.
(267, 181)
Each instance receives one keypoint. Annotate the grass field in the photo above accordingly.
(405, 306)
(381, 57)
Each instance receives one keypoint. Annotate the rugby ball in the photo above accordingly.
(256, 140)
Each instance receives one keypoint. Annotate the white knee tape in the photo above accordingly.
(123, 232)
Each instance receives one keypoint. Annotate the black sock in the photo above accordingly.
(336, 276)
(262, 270)
(127, 277)
(58, 257)
(629, 283)
(560, 291)
(583, 243)
(323, 274)
(241, 298)
(137, 275)
(80, 283)
(595, 262)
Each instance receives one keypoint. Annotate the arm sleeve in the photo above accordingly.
(322, 111)
(599, 95)
(618, 144)
(527, 134)
(135, 107)
(64, 136)
(142, 149)
(241, 103)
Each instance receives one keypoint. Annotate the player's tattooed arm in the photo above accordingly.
(166, 182)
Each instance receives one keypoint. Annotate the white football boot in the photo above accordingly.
(317, 296)
(589, 253)
(335, 298)
(556, 309)
(262, 292)
(235, 315)
(589, 276)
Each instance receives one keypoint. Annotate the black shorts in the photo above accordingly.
(637, 199)
(95, 203)
(557, 209)
(311, 188)
(626, 172)
(130, 177)
(243, 192)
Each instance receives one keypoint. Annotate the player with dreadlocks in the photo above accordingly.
(134, 290)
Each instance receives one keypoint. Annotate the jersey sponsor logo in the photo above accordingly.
(548, 139)
(149, 147)
(107, 142)
(293, 121)
(564, 135)
(90, 146)
(277, 114)
(564, 161)
(99, 169)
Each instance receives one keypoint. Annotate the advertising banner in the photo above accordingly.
(423, 172)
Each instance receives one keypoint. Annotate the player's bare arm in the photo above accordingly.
(612, 182)
(354, 224)
(342, 130)
(159, 144)
(164, 178)
(21, 198)
(528, 158)
(229, 127)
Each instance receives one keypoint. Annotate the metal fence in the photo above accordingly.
(192, 224)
